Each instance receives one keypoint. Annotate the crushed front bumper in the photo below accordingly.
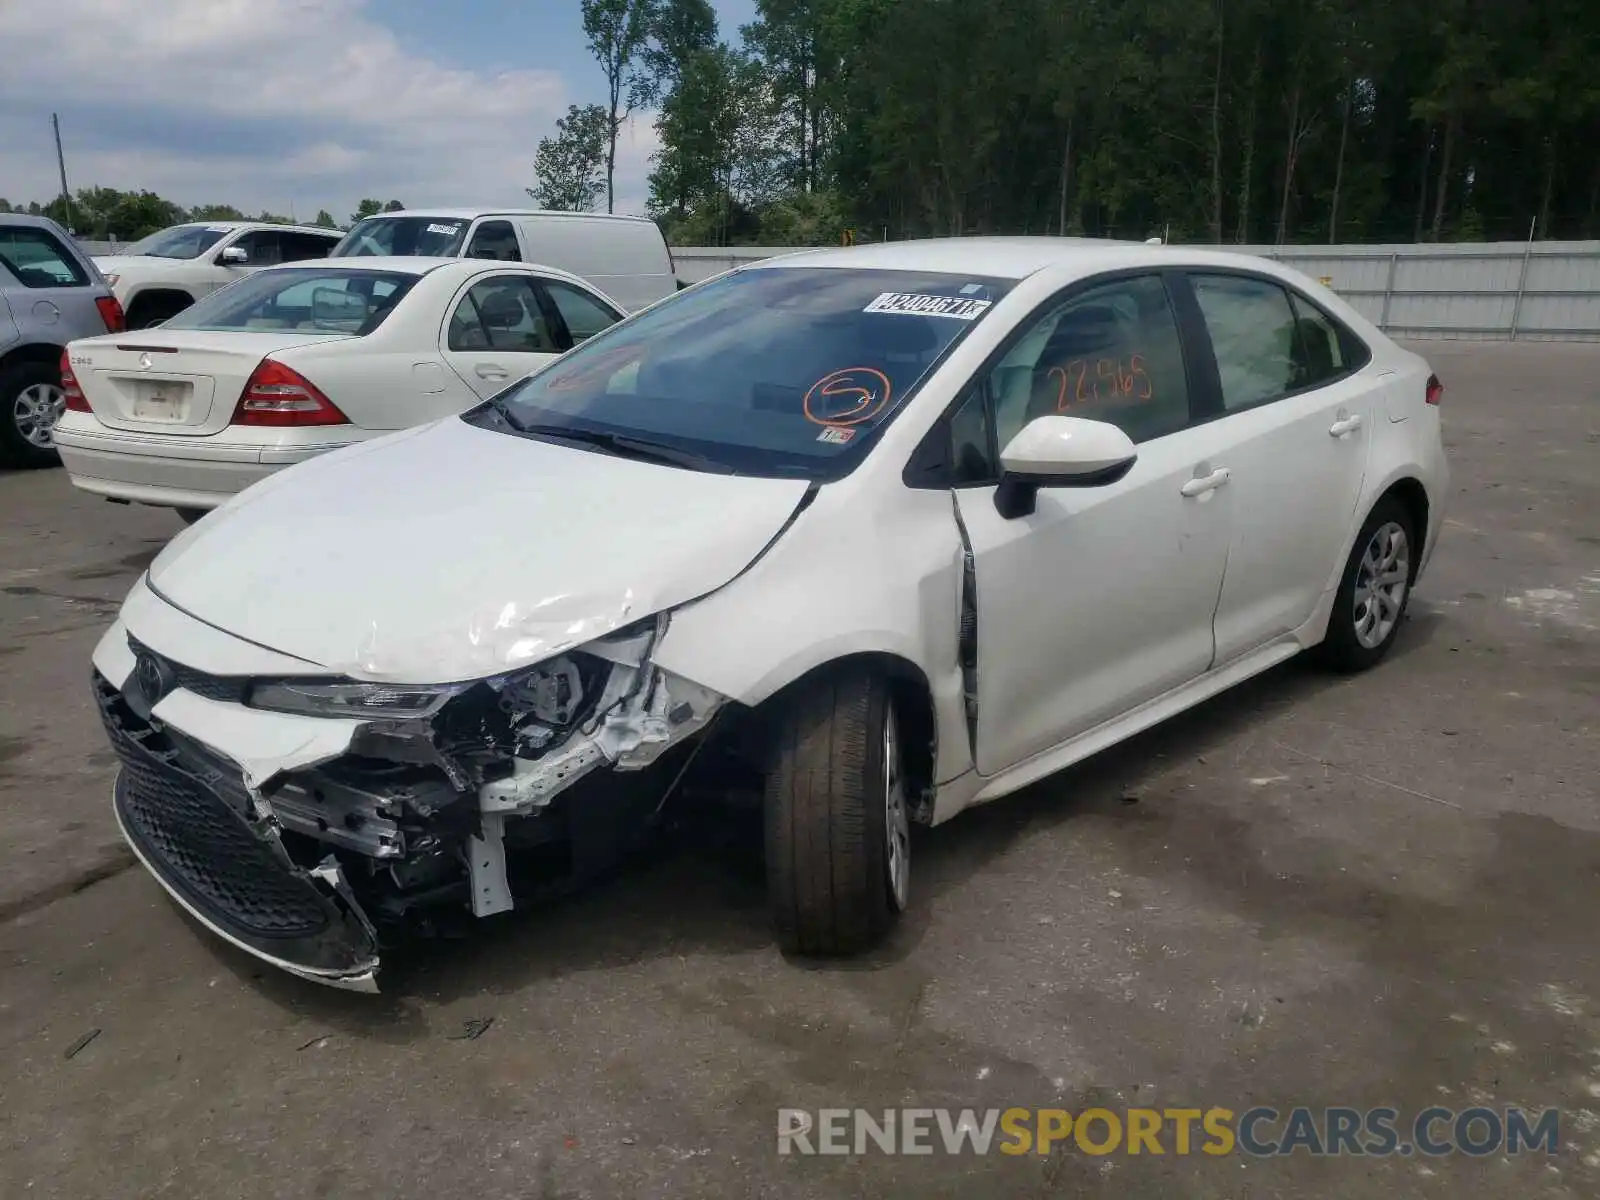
(312, 842)
(192, 823)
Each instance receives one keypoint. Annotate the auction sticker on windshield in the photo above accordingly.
(446, 229)
(912, 304)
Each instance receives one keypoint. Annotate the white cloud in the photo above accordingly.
(270, 104)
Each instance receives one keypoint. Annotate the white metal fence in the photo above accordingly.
(1534, 291)
(1538, 291)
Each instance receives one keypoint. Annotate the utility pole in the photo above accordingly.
(61, 164)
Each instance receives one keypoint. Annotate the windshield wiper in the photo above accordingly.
(626, 446)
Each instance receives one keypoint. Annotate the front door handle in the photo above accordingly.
(1206, 483)
(1345, 425)
(490, 371)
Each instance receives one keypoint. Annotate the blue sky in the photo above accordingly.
(502, 34)
(301, 104)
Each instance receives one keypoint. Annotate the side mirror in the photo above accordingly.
(1059, 451)
(234, 256)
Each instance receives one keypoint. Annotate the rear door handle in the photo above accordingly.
(490, 371)
(1345, 425)
(1206, 483)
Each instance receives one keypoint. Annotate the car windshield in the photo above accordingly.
(768, 371)
(429, 237)
(180, 241)
(299, 301)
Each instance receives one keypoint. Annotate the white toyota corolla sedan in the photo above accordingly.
(296, 360)
(864, 536)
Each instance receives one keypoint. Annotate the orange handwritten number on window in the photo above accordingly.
(1078, 395)
(1137, 362)
(1134, 381)
(1061, 388)
(1108, 371)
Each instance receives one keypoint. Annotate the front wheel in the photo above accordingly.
(838, 829)
(1374, 590)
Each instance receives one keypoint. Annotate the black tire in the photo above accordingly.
(146, 314)
(1343, 648)
(15, 448)
(826, 823)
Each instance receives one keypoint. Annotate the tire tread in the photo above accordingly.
(824, 823)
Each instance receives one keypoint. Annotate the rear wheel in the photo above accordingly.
(1374, 591)
(838, 846)
(31, 402)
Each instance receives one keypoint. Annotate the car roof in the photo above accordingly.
(31, 220)
(420, 265)
(996, 257)
(390, 263)
(470, 214)
(231, 225)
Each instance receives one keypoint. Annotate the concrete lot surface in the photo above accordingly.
(1369, 891)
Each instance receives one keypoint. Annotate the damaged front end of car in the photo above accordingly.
(378, 809)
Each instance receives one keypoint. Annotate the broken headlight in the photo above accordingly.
(316, 698)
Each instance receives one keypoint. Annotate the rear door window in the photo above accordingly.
(584, 315)
(38, 259)
(299, 247)
(1253, 336)
(501, 313)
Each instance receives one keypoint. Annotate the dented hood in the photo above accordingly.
(450, 552)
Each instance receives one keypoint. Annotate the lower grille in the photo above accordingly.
(198, 843)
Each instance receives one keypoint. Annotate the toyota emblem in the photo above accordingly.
(152, 676)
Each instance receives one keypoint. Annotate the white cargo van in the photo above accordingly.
(625, 257)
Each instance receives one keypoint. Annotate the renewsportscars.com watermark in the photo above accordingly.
(1260, 1132)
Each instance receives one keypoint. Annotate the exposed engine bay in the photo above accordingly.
(447, 800)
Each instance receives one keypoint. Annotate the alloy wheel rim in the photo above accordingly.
(35, 412)
(1382, 578)
(897, 819)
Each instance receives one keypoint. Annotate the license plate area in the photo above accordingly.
(161, 400)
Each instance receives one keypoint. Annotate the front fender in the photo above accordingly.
(833, 586)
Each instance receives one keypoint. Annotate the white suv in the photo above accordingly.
(162, 275)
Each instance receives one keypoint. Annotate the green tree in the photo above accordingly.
(679, 30)
(617, 31)
(325, 220)
(788, 36)
(215, 212)
(109, 214)
(367, 208)
(709, 174)
(569, 167)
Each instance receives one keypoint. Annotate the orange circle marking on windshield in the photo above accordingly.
(850, 385)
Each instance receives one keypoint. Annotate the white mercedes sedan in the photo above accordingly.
(296, 360)
(864, 537)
